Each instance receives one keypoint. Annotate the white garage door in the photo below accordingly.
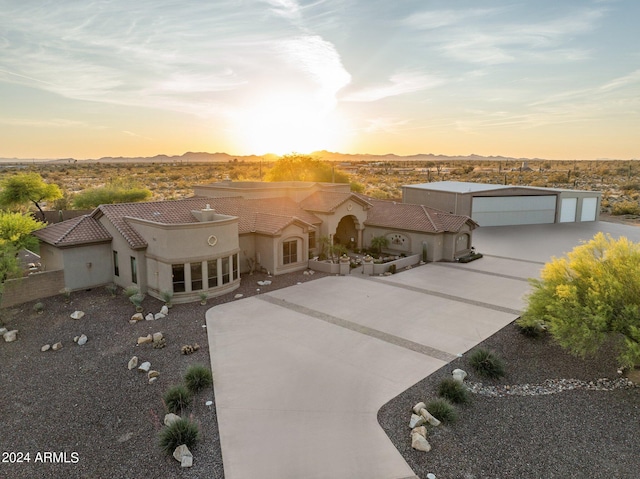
(568, 210)
(589, 209)
(514, 210)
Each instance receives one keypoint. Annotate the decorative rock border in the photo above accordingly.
(551, 386)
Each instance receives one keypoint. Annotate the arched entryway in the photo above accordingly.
(347, 232)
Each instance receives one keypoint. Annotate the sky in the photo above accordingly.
(532, 79)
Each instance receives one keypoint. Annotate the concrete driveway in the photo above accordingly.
(301, 372)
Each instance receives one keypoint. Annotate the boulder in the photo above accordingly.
(153, 380)
(77, 314)
(159, 316)
(144, 367)
(416, 421)
(137, 317)
(419, 443)
(238, 296)
(183, 455)
(145, 339)
(422, 430)
(153, 374)
(46, 347)
(10, 336)
(170, 418)
(149, 317)
(417, 407)
(133, 363)
(157, 337)
(164, 310)
(57, 346)
(4, 330)
(459, 375)
(429, 418)
(82, 340)
(75, 339)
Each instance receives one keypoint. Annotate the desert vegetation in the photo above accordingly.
(617, 179)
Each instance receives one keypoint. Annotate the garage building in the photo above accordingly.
(501, 205)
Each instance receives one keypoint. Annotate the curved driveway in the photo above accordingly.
(301, 372)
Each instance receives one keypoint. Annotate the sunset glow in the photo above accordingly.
(548, 79)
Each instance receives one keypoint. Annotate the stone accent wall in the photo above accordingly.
(32, 287)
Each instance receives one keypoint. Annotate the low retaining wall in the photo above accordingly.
(324, 267)
(32, 287)
(400, 263)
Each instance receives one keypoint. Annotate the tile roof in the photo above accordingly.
(390, 214)
(265, 215)
(81, 230)
(328, 201)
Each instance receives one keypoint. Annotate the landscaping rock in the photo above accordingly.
(159, 316)
(238, 296)
(164, 310)
(133, 363)
(416, 421)
(149, 317)
(77, 314)
(145, 339)
(2, 331)
(82, 340)
(75, 339)
(10, 336)
(429, 418)
(57, 346)
(46, 347)
(137, 317)
(417, 407)
(153, 374)
(153, 379)
(420, 430)
(459, 375)
(183, 455)
(170, 418)
(157, 337)
(144, 367)
(419, 443)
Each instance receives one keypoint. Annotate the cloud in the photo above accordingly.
(399, 84)
(198, 58)
(480, 36)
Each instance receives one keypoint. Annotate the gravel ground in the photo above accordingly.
(571, 434)
(83, 401)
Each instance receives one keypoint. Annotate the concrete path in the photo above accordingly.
(301, 372)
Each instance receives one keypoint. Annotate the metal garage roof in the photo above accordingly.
(458, 186)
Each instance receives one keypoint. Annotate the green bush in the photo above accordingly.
(197, 378)
(443, 410)
(177, 398)
(626, 208)
(486, 363)
(183, 431)
(453, 391)
(38, 307)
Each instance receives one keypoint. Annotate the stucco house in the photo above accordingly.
(201, 245)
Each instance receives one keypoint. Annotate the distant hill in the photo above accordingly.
(204, 157)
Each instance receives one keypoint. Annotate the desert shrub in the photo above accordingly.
(38, 307)
(197, 378)
(531, 329)
(453, 391)
(486, 363)
(167, 296)
(112, 289)
(130, 291)
(183, 431)
(443, 410)
(137, 300)
(626, 208)
(177, 398)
